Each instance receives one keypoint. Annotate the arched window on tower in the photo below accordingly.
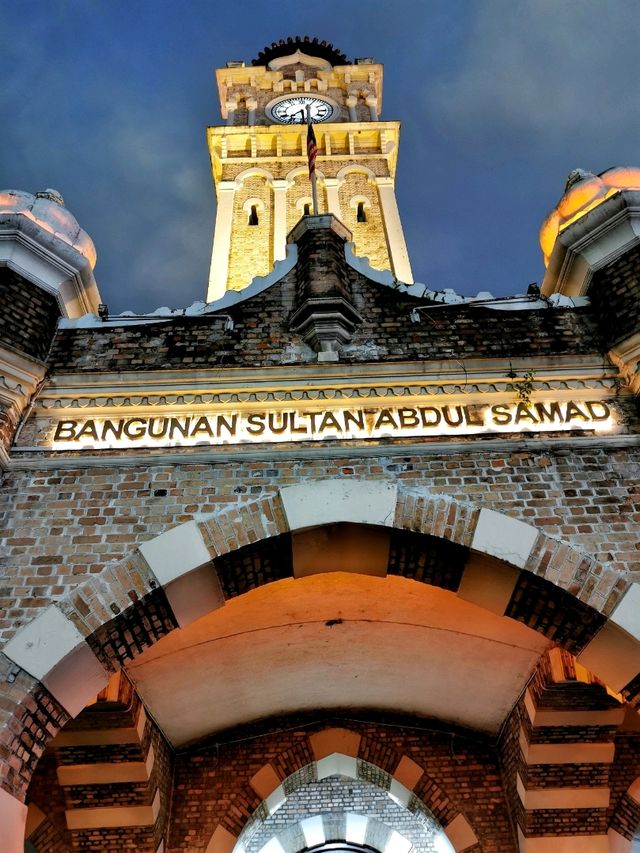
(361, 215)
(307, 209)
(253, 215)
(242, 111)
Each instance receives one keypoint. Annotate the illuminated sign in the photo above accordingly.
(300, 425)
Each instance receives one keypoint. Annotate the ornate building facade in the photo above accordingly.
(332, 561)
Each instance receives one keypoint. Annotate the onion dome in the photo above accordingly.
(305, 44)
(584, 191)
(47, 210)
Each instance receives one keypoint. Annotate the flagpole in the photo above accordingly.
(314, 185)
(314, 194)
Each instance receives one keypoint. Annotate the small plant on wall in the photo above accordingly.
(524, 387)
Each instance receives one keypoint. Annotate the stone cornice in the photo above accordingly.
(165, 402)
(19, 376)
(29, 458)
(387, 134)
(320, 382)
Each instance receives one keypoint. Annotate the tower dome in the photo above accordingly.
(305, 44)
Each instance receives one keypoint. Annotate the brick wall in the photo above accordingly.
(261, 335)
(28, 317)
(464, 773)
(370, 236)
(251, 251)
(615, 294)
(212, 785)
(332, 798)
(54, 799)
(63, 526)
(299, 189)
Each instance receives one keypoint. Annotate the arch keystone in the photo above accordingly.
(504, 537)
(329, 501)
(337, 764)
(52, 650)
(328, 741)
(181, 562)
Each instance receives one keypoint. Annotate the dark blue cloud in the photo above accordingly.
(499, 100)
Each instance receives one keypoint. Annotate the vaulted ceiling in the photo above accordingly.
(338, 639)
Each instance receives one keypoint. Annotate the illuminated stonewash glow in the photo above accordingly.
(237, 427)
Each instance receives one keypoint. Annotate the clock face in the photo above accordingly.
(294, 110)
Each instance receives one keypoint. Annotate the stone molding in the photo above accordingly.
(626, 356)
(598, 238)
(321, 383)
(49, 262)
(20, 376)
(170, 400)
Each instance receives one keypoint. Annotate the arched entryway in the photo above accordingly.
(500, 563)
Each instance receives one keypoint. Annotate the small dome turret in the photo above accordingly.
(47, 210)
(584, 191)
(42, 242)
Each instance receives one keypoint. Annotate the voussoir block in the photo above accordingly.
(328, 501)
(504, 537)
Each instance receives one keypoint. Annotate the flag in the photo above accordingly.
(312, 149)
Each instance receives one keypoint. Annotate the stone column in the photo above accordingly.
(393, 229)
(333, 199)
(231, 112)
(372, 103)
(226, 192)
(351, 106)
(279, 219)
(252, 106)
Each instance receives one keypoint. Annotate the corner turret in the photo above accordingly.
(591, 245)
(46, 272)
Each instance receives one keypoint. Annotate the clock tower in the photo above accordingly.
(259, 159)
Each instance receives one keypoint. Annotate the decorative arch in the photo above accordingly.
(314, 84)
(303, 171)
(55, 663)
(347, 753)
(361, 205)
(357, 168)
(303, 202)
(255, 171)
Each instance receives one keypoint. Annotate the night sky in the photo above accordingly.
(107, 101)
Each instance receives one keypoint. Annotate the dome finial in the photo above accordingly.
(575, 176)
(52, 195)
